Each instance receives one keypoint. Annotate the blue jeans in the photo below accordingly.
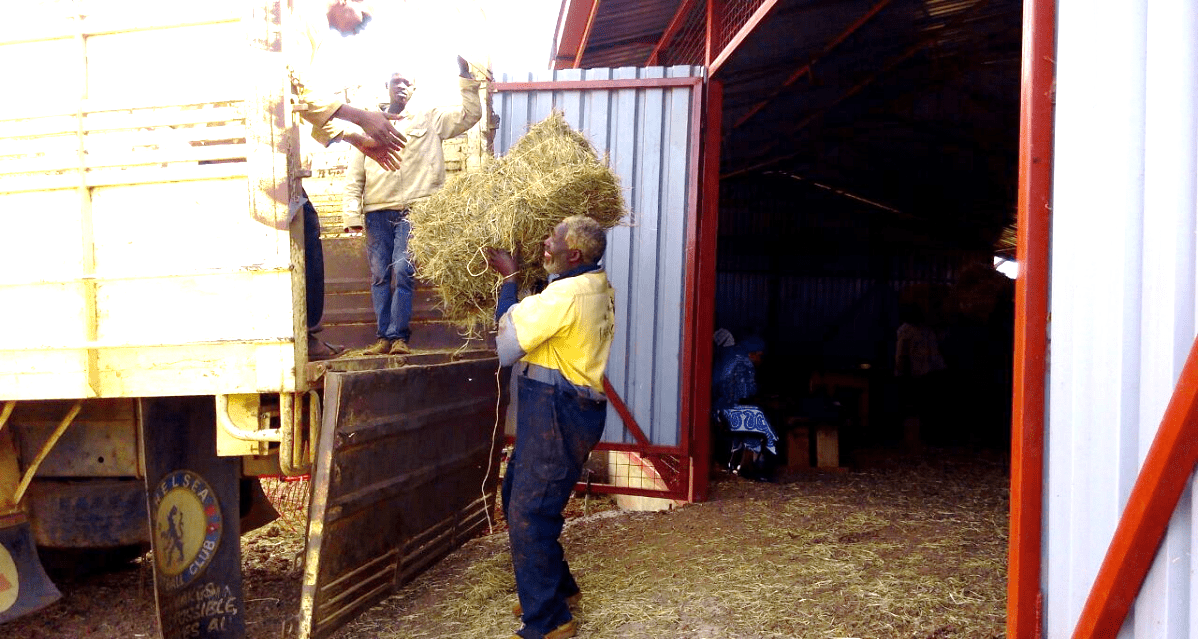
(555, 431)
(313, 264)
(387, 249)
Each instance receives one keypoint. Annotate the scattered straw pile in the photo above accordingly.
(906, 552)
(513, 203)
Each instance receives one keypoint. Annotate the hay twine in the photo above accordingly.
(512, 203)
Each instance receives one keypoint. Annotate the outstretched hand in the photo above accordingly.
(386, 157)
(377, 125)
(501, 261)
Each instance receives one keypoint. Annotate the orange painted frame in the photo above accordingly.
(701, 307)
(572, 34)
(1031, 319)
(1170, 462)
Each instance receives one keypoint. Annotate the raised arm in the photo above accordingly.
(452, 121)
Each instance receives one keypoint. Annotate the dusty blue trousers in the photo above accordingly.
(556, 429)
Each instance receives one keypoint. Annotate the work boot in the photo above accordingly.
(381, 346)
(319, 349)
(571, 601)
(400, 347)
(564, 631)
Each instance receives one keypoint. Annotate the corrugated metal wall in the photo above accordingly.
(646, 134)
(819, 278)
(1123, 298)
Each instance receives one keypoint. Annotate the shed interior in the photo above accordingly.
(868, 174)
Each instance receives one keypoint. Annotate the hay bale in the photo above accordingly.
(512, 203)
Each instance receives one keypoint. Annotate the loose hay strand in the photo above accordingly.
(511, 203)
(894, 554)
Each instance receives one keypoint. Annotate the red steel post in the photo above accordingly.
(1031, 318)
(704, 302)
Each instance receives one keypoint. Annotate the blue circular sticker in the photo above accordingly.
(187, 527)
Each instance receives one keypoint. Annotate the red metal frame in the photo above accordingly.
(675, 23)
(586, 34)
(573, 31)
(715, 11)
(695, 353)
(1031, 320)
(1167, 468)
(579, 85)
(617, 403)
(696, 367)
(703, 264)
(758, 16)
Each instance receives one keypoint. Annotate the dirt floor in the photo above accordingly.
(910, 548)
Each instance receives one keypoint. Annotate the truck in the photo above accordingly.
(153, 341)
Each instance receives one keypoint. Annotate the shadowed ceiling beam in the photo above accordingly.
(806, 68)
(785, 136)
(675, 24)
(757, 18)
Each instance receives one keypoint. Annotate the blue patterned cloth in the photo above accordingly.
(749, 428)
(735, 380)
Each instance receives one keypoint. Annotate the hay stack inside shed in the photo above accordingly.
(512, 203)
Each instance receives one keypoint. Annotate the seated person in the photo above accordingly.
(734, 386)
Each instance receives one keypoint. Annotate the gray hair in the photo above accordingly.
(584, 234)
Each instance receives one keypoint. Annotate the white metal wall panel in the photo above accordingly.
(1123, 300)
(646, 133)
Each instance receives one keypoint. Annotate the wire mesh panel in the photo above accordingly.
(689, 43)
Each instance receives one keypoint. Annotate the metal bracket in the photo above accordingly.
(243, 426)
(296, 453)
(226, 424)
(41, 455)
(6, 412)
(235, 413)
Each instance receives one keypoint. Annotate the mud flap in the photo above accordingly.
(192, 496)
(24, 586)
(256, 509)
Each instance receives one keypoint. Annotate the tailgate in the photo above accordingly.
(406, 472)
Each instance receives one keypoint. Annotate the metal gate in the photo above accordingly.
(646, 121)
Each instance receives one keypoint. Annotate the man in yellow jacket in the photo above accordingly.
(559, 340)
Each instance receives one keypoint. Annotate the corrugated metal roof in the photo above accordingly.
(625, 33)
(909, 103)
